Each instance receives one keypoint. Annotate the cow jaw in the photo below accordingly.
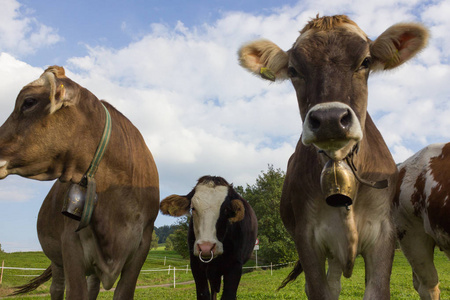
(206, 204)
(332, 127)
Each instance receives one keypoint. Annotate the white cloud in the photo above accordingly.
(20, 33)
(200, 113)
(13, 76)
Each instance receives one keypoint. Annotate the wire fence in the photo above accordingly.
(168, 269)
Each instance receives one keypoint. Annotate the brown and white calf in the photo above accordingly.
(53, 133)
(221, 237)
(422, 214)
(329, 66)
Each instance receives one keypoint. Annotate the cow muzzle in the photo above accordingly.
(332, 127)
(206, 251)
(338, 184)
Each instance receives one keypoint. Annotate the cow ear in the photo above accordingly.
(175, 206)
(397, 45)
(239, 210)
(52, 78)
(265, 59)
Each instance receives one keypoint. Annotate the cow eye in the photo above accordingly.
(365, 64)
(292, 72)
(28, 103)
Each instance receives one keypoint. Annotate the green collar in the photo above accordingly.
(88, 178)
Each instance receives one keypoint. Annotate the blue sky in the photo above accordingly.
(171, 68)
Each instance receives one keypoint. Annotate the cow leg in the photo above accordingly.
(93, 283)
(73, 260)
(130, 272)
(378, 262)
(418, 248)
(231, 280)
(201, 281)
(334, 277)
(214, 283)
(313, 263)
(58, 283)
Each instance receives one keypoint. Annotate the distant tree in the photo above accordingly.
(179, 237)
(1, 250)
(264, 196)
(164, 231)
(154, 243)
(168, 245)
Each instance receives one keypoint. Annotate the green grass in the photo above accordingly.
(259, 284)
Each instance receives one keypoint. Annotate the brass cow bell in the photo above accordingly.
(74, 201)
(338, 184)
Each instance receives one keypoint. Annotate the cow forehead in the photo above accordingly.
(342, 29)
(209, 196)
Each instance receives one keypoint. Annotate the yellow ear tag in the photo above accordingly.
(267, 73)
(63, 92)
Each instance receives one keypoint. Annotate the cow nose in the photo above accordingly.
(207, 248)
(338, 120)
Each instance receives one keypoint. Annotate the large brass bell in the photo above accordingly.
(338, 184)
(74, 201)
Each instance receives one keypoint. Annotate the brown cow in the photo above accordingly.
(422, 214)
(329, 65)
(53, 133)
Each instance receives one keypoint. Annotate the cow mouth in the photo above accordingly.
(338, 149)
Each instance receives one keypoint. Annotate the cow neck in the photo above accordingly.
(88, 179)
(381, 184)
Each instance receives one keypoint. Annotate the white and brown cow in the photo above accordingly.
(221, 237)
(329, 65)
(53, 133)
(422, 214)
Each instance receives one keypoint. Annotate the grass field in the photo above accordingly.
(258, 284)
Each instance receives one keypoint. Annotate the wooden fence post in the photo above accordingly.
(173, 277)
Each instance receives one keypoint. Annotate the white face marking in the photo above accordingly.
(206, 204)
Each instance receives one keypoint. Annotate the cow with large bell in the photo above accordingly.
(107, 185)
(222, 234)
(340, 182)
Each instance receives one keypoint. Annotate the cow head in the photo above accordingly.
(214, 205)
(329, 65)
(41, 138)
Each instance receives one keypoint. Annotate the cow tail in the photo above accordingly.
(34, 283)
(298, 269)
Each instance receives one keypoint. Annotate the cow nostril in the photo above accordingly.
(346, 119)
(314, 121)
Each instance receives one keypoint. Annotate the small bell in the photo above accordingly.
(338, 184)
(74, 201)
